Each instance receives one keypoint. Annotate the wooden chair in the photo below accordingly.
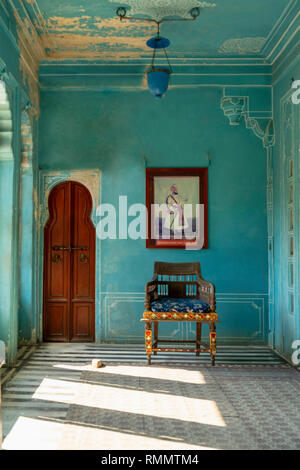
(177, 292)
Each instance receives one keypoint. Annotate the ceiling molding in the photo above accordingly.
(144, 60)
(31, 12)
(282, 33)
(124, 74)
(287, 61)
(279, 49)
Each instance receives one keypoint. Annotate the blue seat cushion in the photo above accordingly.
(168, 304)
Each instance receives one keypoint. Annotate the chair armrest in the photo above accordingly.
(150, 290)
(206, 293)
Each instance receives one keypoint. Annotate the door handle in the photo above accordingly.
(68, 248)
(61, 247)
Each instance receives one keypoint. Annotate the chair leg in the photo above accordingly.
(148, 340)
(198, 337)
(213, 342)
(155, 336)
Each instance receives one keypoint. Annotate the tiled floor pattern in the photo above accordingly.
(250, 400)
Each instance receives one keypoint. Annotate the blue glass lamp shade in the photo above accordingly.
(158, 81)
(158, 78)
(158, 42)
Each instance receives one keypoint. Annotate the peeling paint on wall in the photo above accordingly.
(31, 52)
(90, 37)
(95, 36)
(94, 25)
(35, 204)
(51, 27)
(87, 37)
(75, 45)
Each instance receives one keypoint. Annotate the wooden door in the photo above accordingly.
(69, 265)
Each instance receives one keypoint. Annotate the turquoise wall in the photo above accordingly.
(25, 319)
(120, 132)
(12, 201)
(286, 150)
(9, 51)
(100, 117)
(6, 234)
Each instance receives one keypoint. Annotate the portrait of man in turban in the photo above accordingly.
(175, 207)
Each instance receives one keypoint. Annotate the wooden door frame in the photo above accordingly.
(48, 179)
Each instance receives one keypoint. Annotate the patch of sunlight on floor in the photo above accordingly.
(56, 390)
(43, 434)
(165, 373)
(33, 434)
(160, 405)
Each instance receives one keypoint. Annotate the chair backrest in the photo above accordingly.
(177, 279)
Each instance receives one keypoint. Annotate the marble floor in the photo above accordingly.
(56, 400)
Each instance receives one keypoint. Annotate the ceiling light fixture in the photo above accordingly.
(158, 77)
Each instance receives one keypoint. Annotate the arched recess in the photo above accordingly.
(69, 274)
(8, 326)
(25, 321)
(91, 179)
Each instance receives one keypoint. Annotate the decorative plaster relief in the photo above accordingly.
(237, 107)
(262, 125)
(26, 142)
(233, 108)
(89, 178)
(263, 129)
(159, 9)
(242, 46)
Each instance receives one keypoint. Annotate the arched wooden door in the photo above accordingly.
(69, 265)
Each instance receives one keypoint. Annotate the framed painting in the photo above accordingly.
(176, 200)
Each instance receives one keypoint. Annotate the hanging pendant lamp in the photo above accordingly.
(158, 77)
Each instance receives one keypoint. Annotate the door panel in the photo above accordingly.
(58, 235)
(82, 321)
(83, 266)
(84, 237)
(56, 321)
(69, 267)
